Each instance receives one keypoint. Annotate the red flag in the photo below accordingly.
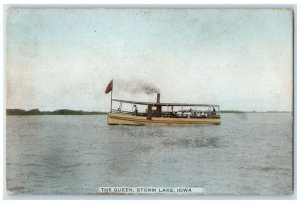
(109, 87)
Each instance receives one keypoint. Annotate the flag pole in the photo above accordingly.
(111, 100)
(111, 95)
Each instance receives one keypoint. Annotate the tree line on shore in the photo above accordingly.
(56, 112)
(80, 112)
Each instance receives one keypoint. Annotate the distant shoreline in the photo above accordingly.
(233, 111)
(80, 112)
(56, 112)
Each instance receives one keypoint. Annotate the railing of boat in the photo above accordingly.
(170, 114)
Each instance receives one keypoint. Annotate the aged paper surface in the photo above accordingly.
(162, 70)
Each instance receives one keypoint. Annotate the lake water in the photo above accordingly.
(248, 154)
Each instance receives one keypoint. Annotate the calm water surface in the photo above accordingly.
(248, 154)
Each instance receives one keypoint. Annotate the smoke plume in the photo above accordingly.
(136, 86)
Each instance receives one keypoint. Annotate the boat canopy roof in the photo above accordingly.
(163, 104)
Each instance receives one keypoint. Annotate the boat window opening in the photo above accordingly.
(120, 108)
(166, 110)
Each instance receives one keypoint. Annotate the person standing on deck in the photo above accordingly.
(135, 109)
(214, 111)
(172, 113)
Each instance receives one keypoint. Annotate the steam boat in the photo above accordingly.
(147, 113)
(129, 112)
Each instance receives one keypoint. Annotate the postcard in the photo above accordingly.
(149, 101)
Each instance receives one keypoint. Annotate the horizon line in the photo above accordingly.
(225, 110)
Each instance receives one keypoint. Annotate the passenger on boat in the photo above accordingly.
(214, 112)
(172, 112)
(193, 113)
(135, 109)
(203, 115)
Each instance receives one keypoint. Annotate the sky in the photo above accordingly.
(240, 59)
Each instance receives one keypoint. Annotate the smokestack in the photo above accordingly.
(158, 98)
